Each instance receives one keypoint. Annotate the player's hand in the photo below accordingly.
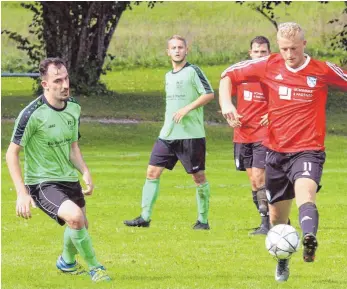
(233, 118)
(264, 120)
(178, 115)
(87, 178)
(24, 200)
(234, 123)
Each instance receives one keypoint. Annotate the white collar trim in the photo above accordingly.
(307, 61)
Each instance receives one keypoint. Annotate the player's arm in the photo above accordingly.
(200, 101)
(336, 76)
(79, 163)
(23, 197)
(203, 86)
(229, 111)
(245, 71)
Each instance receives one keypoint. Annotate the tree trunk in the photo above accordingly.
(80, 33)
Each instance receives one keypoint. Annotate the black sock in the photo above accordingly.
(255, 200)
(265, 221)
(308, 218)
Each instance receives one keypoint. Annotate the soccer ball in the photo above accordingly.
(282, 241)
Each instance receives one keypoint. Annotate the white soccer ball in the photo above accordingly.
(282, 241)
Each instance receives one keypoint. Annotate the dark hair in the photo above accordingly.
(48, 61)
(260, 40)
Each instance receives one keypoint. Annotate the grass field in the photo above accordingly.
(218, 32)
(170, 254)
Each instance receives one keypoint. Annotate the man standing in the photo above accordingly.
(48, 130)
(182, 136)
(297, 86)
(250, 131)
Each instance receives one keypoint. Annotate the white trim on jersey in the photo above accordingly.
(295, 70)
(243, 64)
(337, 70)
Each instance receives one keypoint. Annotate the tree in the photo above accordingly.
(266, 8)
(339, 41)
(78, 32)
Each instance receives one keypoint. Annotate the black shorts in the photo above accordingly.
(249, 155)
(283, 169)
(191, 153)
(49, 196)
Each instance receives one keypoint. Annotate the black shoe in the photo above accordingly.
(262, 230)
(310, 245)
(201, 226)
(137, 222)
(282, 270)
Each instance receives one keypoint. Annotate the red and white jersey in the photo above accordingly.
(296, 98)
(252, 105)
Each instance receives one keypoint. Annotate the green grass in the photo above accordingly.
(170, 254)
(217, 32)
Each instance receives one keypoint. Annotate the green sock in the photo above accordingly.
(69, 249)
(203, 201)
(150, 194)
(83, 244)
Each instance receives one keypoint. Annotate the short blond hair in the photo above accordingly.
(178, 37)
(289, 30)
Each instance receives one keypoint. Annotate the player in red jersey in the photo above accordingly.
(297, 87)
(250, 131)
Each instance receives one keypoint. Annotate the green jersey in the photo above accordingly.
(46, 133)
(182, 88)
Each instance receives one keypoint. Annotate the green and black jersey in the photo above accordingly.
(46, 133)
(182, 88)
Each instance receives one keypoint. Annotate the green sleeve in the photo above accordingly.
(201, 82)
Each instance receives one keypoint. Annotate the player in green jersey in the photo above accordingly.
(182, 136)
(48, 131)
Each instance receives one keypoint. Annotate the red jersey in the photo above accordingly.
(296, 98)
(251, 104)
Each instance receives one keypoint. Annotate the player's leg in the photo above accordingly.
(202, 199)
(69, 250)
(258, 182)
(62, 201)
(279, 192)
(192, 154)
(162, 157)
(306, 172)
(243, 157)
(254, 189)
(74, 217)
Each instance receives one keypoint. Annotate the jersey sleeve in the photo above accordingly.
(77, 134)
(246, 71)
(24, 128)
(201, 82)
(336, 76)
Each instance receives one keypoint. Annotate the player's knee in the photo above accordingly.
(153, 173)
(253, 183)
(258, 180)
(76, 220)
(199, 178)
